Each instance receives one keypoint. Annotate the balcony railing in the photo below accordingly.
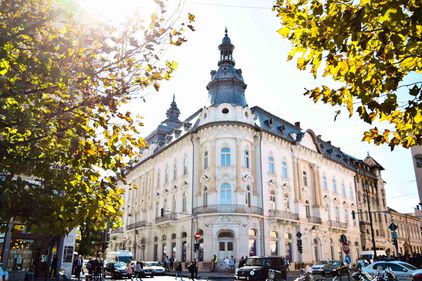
(283, 215)
(227, 208)
(136, 225)
(118, 230)
(338, 224)
(314, 220)
(166, 217)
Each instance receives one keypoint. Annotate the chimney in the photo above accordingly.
(297, 124)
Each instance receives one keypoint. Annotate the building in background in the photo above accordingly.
(245, 182)
(409, 234)
(417, 164)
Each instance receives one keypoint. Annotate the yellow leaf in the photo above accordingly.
(284, 31)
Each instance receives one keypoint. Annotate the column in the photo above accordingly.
(257, 165)
(316, 187)
(200, 170)
(296, 181)
(195, 168)
(238, 166)
(212, 155)
(252, 159)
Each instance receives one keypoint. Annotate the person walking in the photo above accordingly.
(138, 271)
(232, 264)
(226, 264)
(77, 265)
(192, 269)
(178, 267)
(214, 263)
(129, 270)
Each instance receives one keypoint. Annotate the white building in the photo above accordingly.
(243, 178)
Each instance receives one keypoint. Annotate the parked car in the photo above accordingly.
(319, 267)
(402, 270)
(333, 268)
(156, 267)
(417, 275)
(116, 269)
(257, 268)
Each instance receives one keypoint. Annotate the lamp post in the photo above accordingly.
(366, 190)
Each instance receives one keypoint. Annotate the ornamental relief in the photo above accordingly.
(248, 179)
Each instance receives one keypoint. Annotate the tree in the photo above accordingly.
(65, 144)
(368, 46)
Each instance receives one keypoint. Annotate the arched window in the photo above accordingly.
(185, 165)
(252, 242)
(307, 209)
(175, 169)
(274, 243)
(284, 169)
(166, 175)
(334, 186)
(225, 194)
(324, 183)
(305, 178)
(248, 196)
(246, 159)
(316, 249)
(206, 160)
(184, 202)
(272, 200)
(271, 169)
(225, 157)
(205, 197)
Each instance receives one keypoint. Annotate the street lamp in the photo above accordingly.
(366, 190)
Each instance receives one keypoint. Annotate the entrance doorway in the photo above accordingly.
(225, 245)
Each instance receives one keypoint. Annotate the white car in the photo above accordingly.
(402, 270)
(155, 266)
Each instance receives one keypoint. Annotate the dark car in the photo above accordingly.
(333, 268)
(116, 270)
(258, 268)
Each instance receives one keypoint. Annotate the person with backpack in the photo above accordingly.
(178, 267)
(193, 270)
(138, 270)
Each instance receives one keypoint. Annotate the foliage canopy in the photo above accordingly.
(368, 46)
(64, 142)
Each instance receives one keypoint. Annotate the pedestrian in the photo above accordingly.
(77, 265)
(53, 268)
(232, 263)
(192, 269)
(171, 263)
(214, 263)
(129, 270)
(226, 264)
(138, 271)
(178, 266)
(241, 262)
(167, 263)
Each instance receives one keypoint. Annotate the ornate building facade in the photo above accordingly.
(244, 179)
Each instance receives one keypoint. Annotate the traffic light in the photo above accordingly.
(395, 243)
(299, 246)
(196, 247)
(353, 214)
(162, 212)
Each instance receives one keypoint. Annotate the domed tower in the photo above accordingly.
(226, 85)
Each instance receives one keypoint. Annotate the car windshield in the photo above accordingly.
(336, 263)
(255, 262)
(408, 266)
(153, 263)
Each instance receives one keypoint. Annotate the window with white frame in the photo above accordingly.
(205, 197)
(166, 175)
(248, 196)
(185, 165)
(225, 194)
(272, 200)
(206, 160)
(307, 209)
(324, 183)
(343, 189)
(246, 159)
(305, 178)
(271, 169)
(184, 202)
(225, 157)
(334, 186)
(175, 169)
(284, 169)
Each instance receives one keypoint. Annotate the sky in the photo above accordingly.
(273, 84)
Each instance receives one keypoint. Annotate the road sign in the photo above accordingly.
(394, 235)
(347, 259)
(197, 235)
(346, 248)
(393, 227)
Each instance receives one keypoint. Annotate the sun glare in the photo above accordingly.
(113, 11)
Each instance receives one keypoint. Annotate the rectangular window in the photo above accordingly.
(222, 246)
(246, 159)
(271, 169)
(305, 178)
(225, 157)
(206, 160)
(229, 246)
(284, 170)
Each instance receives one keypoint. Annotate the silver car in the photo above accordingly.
(402, 270)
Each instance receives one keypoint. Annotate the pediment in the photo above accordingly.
(308, 140)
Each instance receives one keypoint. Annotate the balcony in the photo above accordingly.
(166, 218)
(117, 230)
(338, 224)
(283, 215)
(136, 225)
(227, 208)
(314, 220)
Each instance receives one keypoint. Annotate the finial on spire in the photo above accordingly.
(225, 30)
(174, 97)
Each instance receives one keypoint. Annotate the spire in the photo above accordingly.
(173, 112)
(226, 85)
(226, 50)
